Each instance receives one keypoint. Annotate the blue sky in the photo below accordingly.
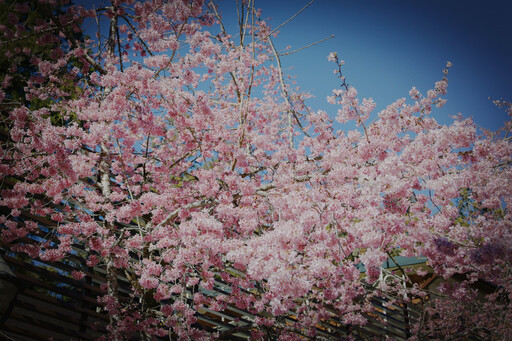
(391, 45)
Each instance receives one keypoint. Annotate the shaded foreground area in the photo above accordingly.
(53, 304)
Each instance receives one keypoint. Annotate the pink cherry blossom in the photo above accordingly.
(180, 156)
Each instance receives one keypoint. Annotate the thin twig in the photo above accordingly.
(283, 89)
(137, 34)
(305, 47)
(284, 23)
(213, 7)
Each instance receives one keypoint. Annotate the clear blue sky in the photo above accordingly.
(391, 45)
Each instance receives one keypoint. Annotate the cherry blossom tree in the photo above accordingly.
(181, 155)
